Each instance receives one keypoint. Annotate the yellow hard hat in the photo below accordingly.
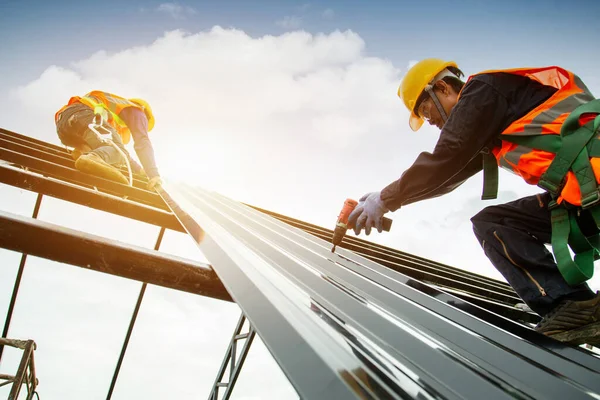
(147, 110)
(415, 81)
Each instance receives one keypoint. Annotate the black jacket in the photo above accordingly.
(488, 104)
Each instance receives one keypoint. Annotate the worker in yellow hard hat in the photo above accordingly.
(514, 119)
(126, 119)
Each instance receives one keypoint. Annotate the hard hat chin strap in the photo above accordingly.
(436, 101)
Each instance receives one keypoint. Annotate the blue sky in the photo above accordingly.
(483, 33)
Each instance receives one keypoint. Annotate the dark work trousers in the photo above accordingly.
(72, 129)
(513, 236)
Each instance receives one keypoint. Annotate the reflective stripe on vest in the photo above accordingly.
(110, 106)
(114, 104)
(546, 119)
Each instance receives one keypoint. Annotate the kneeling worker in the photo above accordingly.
(126, 118)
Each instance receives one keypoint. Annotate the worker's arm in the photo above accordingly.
(474, 123)
(138, 125)
(473, 167)
(135, 167)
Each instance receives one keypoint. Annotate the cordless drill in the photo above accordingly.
(342, 223)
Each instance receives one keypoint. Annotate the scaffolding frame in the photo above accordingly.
(25, 374)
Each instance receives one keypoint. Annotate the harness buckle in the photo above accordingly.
(551, 187)
(553, 205)
(590, 200)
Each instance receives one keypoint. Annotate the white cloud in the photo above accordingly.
(328, 13)
(289, 22)
(176, 10)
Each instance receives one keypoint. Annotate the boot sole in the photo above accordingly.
(589, 334)
(100, 169)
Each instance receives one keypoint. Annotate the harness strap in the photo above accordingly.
(565, 227)
(103, 109)
(574, 140)
(490, 177)
(573, 148)
(565, 232)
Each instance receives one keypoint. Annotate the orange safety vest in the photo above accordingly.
(545, 119)
(110, 105)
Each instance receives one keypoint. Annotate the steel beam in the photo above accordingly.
(109, 256)
(36, 142)
(52, 153)
(71, 175)
(88, 197)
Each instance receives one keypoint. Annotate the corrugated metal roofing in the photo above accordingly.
(342, 326)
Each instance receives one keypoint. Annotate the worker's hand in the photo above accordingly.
(154, 182)
(368, 213)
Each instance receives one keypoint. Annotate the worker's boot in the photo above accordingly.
(574, 322)
(93, 164)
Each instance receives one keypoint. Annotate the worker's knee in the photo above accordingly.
(483, 220)
(483, 216)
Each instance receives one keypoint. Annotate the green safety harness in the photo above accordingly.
(573, 148)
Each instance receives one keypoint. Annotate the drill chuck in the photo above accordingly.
(338, 233)
(342, 223)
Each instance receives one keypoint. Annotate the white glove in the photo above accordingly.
(368, 213)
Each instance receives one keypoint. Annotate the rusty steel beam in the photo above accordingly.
(93, 252)
(58, 171)
(88, 197)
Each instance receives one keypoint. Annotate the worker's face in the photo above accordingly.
(448, 99)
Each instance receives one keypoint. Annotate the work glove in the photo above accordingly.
(368, 213)
(154, 182)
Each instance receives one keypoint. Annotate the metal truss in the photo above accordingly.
(25, 373)
(233, 360)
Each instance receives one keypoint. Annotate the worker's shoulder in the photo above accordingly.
(501, 83)
(499, 78)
